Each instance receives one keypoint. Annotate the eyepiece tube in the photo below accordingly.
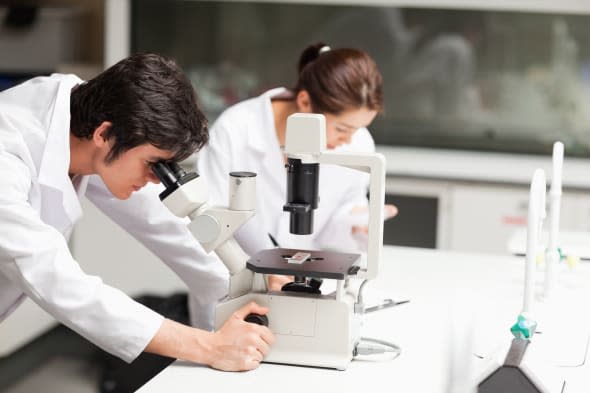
(302, 195)
(172, 176)
(166, 175)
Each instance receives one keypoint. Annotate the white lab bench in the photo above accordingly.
(439, 284)
(576, 244)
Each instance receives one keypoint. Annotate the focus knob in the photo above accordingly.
(257, 319)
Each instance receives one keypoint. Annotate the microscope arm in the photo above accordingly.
(305, 140)
(186, 196)
(374, 164)
(214, 228)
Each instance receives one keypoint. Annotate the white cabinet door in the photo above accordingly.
(484, 217)
(580, 212)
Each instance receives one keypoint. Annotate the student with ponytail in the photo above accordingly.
(345, 86)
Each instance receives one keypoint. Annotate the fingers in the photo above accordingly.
(359, 210)
(265, 334)
(251, 364)
(255, 345)
(250, 308)
(360, 229)
(254, 354)
(276, 282)
(262, 347)
(251, 342)
(390, 211)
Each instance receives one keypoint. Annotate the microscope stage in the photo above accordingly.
(320, 264)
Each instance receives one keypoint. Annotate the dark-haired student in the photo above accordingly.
(346, 86)
(62, 138)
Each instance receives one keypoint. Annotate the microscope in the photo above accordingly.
(311, 328)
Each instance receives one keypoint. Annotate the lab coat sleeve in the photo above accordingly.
(215, 163)
(337, 231)
(147, 219)
(220, 157)
(35, 256)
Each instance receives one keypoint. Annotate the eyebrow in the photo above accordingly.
(348, 126)
(158, 158)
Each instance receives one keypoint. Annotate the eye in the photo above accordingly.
(345, 130)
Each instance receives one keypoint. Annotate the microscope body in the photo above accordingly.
(186, 195)
(310, 328)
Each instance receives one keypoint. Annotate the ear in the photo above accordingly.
(303, 101)
(99, 136)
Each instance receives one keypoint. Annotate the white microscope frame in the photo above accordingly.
(214, 226)
(306, 140)
(320, 330)
(315, 330)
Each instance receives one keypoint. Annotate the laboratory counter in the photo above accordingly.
(459, 315)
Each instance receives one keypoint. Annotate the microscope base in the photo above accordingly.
(317, 331)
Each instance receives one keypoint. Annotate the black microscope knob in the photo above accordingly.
(315, 283)
(257, 319)
(300, 287)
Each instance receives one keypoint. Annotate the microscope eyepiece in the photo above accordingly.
(172, 176)
(302, 195)
(163, 172)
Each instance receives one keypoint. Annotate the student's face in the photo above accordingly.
(131, 170)
(341, 127)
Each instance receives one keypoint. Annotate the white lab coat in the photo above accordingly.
(39, 206)
(244, 138)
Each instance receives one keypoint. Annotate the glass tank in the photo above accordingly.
(459, 79)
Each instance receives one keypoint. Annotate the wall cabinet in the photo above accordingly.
(480, 217)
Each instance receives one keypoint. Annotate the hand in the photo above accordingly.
(240, 345)
(389, 211)
(276, 281)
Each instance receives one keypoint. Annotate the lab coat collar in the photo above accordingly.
(55, 162)
(260, 141)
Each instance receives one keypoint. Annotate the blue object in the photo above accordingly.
(524, 327)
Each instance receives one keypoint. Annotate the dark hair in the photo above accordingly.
(148, 99)
(339, 79)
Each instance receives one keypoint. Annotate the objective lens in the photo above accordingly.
(302, 195)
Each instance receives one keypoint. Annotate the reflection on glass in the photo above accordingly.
(483, 80)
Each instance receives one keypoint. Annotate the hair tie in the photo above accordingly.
(323, 49)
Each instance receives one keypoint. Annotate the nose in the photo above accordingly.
(345, 139)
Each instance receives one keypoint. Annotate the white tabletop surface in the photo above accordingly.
(572, 243)
(467, 299)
